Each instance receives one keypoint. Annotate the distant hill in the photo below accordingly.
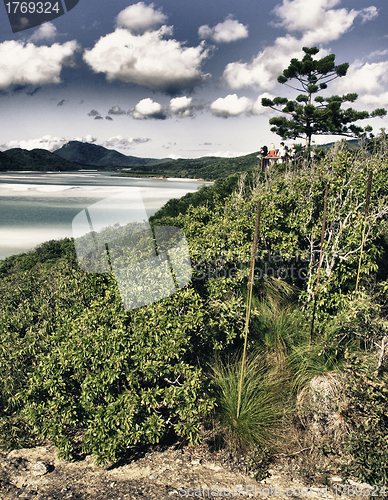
(92, 155)
(352, 143)
(37, 159)
(207, 167)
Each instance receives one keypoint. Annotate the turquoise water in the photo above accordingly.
(37, 207)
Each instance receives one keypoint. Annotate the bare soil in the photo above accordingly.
(161, 473)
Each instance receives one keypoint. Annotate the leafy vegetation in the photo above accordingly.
(77, 367)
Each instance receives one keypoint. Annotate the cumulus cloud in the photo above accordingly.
(25, 63)
(152, 59)
(139, 18)
(181, 106)
(98, 117)
(45, 32)
(373, 101)
(124, 142)
(317, 22)
(88, 138)
(231, 106)
(147, 108)
(229, 31)
(108, 118)
(368, 78)
(46, 142)
(116, 110)
(264, 69)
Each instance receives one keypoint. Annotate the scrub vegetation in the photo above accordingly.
(78, 369)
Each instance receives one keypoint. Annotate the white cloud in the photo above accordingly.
(45, 32)
(181, 106)
(369, 78)
(258, 109)
(378, 53)
(139, 18)
(228, 31)
(147, 108)
(28, 64)
(264, 69)
(148, 59)
(369, 13)
(87, 138)
(317, 22)
(46, 142)
(373, 101)
(231, 105)
(124, 142)
(317, 18)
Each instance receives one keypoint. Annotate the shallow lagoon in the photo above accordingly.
(37, 207)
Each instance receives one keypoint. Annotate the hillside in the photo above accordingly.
(81, 368)
(37, 159)
(85, 153)
(207, 168)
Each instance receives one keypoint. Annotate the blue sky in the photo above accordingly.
(177, 78)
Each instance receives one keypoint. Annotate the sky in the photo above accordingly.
(177, 78)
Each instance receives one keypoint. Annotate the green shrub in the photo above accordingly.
(367, 415)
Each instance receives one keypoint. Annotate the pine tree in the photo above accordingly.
(321, 116)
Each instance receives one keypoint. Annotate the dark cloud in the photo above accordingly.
(35, 91)
(19, 88)
(99, 117)
(94, 112)
(108, 118)
(116, 110)
(61, 103)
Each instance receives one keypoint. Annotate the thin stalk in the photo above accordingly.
(249, 303)
(320, 261)
(367, 200)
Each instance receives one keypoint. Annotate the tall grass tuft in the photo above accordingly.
(260, 405)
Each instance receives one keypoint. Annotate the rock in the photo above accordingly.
(40, 469)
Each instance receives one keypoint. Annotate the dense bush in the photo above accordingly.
(73, 360)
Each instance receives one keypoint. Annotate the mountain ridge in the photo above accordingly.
(94, 155)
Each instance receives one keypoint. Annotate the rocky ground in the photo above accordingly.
(161, 473)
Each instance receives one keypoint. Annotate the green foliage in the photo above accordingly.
(125, 380)
(72, 359)
(260, 408)
(325, 116)
(367, 415)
